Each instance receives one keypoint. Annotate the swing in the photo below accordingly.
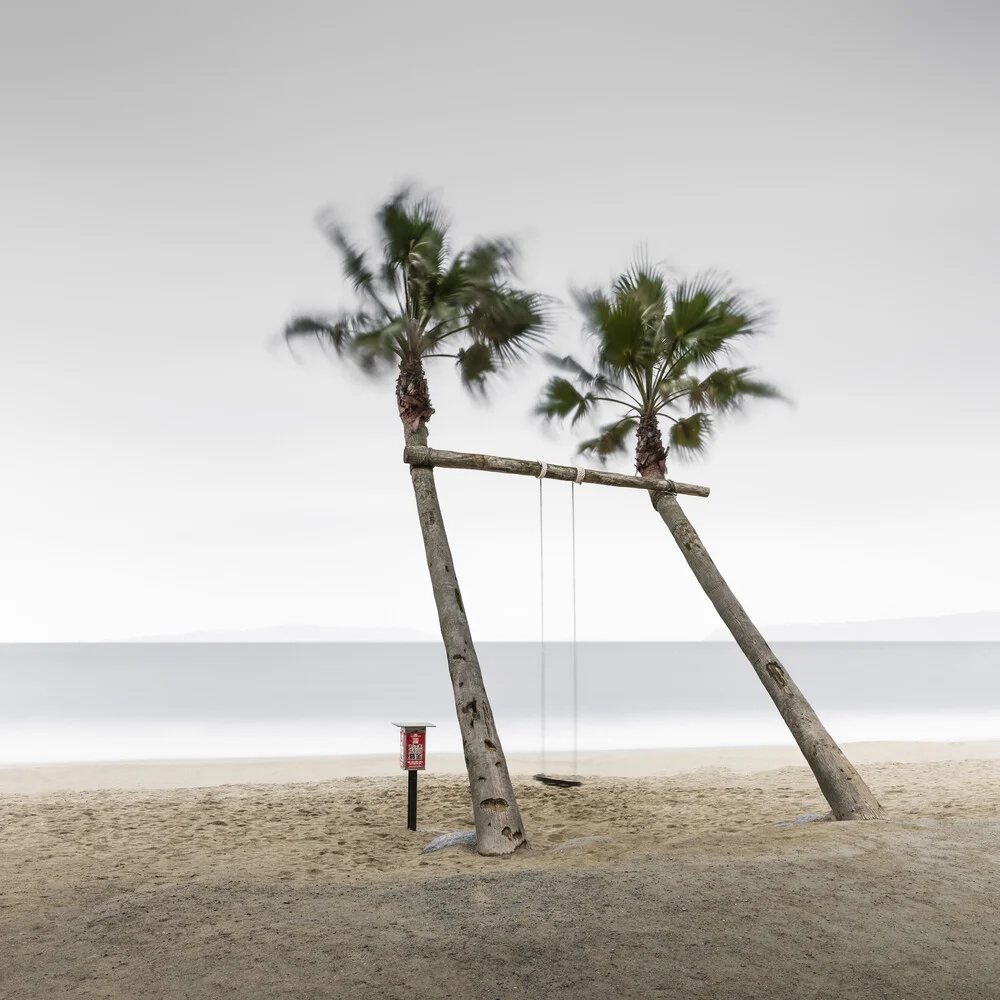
(424, 457)
(549, 779)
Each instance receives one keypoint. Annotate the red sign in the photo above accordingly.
(412, 747)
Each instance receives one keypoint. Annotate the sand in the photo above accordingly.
(676, 884)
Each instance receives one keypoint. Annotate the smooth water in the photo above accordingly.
(174, 701)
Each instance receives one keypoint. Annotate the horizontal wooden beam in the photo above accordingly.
(419, 455)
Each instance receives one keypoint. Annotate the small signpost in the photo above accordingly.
(412, 758)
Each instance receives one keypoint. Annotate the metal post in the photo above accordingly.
(411, 801)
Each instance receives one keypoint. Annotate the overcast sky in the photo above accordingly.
(164, 466)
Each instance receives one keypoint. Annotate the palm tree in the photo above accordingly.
(424, 300)
(657, 349)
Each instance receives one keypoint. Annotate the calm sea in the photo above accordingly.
(173, 701)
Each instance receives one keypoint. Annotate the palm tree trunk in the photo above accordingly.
(845, 790)
(650, 455)
(499, 829)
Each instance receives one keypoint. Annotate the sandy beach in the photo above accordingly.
(668, 874)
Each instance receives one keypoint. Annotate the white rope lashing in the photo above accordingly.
(543, 471)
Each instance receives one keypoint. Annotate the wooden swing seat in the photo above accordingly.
(548, 779)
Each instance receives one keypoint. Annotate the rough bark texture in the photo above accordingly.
(650, 455)
(499, 829)
(417, 455)
(844, 788)
(412, 395)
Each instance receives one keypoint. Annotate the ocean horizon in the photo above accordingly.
(104, 702)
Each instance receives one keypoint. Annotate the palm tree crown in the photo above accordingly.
(656, 352)
(423, 300)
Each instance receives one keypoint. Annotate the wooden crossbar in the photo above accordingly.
(421, 456)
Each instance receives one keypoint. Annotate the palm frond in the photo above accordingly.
(672, 390)
(328, 331)
(490, 261)
(627, 326)
(707, 318)
(611, 440)
(691, 434)
(561, 399)
(725, 390)
(353, 261)
(475, 363)
(409, 226)
(379, 345)
(427, 260)
(569, 364)
(513, 323)
(646, 284)
(483, 271)
(594, 306)
(623, 340)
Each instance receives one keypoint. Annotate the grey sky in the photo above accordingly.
(163, 468)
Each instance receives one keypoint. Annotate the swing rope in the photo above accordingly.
(572, 521)
(541, 606)
(541, 597)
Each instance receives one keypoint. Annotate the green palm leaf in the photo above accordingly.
(646, 286)
(353, 261)
(512, 323)
(378, 345)
(329, 332)
(726, 390)
(706, 319)
(691, 434)
(569, 364)
(560, 398)
(407, 227)
(475, 363)
(612, 439)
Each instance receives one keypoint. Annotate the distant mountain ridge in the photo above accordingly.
(979, 626)
(296, 633)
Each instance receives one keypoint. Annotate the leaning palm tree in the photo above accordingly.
(424, 300)
(657, 354)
